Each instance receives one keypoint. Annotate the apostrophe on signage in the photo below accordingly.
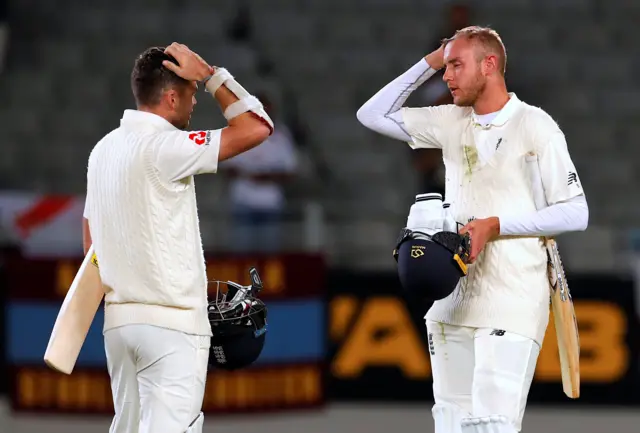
(342, 312)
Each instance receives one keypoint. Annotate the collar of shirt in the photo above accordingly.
(144, 117)
(503, 115)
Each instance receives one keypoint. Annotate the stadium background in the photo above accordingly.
(342, 346)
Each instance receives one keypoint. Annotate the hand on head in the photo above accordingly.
(190, 65)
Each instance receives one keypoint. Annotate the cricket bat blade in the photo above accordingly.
(75, 316)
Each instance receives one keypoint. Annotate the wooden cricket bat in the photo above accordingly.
(75, 316)
(565, 322)
(562, 307)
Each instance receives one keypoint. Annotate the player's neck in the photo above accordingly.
(157, 110)
(493, 99)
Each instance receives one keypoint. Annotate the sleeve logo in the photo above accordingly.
(200, 137)
(572, 178)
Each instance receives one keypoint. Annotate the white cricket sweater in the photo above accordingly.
(143, 218)
(507, 288)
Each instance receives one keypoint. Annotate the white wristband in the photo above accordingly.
(248, 103)
(214, 82)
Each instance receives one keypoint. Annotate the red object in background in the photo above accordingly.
(43, 211)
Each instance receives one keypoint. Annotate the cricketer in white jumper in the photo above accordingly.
(142, 217)
(141, 205)
(486, 336)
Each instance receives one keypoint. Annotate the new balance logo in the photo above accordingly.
(572, 178)
(497, 332)
(498, 143)
(432, 349)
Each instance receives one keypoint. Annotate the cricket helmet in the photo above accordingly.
(430, 266)
(238, 323)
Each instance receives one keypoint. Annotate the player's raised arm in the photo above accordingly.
(249, 123)
(180, 154)
(420, 127)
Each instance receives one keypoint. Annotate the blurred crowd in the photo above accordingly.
(256, 188)
(4, 31)
(258, 180)
(320, 155)
(256, 191)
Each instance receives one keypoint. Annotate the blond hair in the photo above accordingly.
(488, 38)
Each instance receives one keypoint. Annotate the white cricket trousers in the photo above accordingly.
(479, 372)
(157, 378)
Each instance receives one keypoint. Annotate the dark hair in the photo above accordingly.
(149, 78)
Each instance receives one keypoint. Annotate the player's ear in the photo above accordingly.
(171, 98)
(490, 64)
